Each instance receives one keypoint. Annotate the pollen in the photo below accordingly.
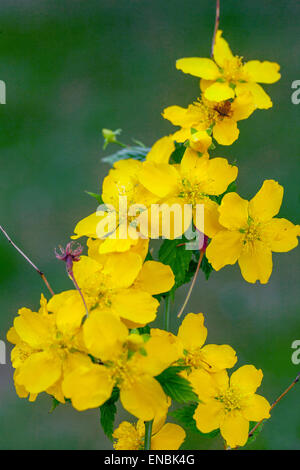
(233, 69)
(121, 372)
(191, 193)
(251, 234)
(231, 400)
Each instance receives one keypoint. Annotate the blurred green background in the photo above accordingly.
(71, 68)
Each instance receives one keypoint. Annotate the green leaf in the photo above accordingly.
(55, 404)
(96, 196)
(138, 153)
(256, 432)
(178, 153)
(175, 386)
(185, 417)
(107, 413)
(178, 258)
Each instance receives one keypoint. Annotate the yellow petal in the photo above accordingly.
(242, 107)
(161, 150)
(267, 202)
(260, 97)
(218, 357)
(206, 385)
(233, 212)
(155, 278)
(104, 335)
(39, 372)
(211, 219)
(192, 331)
(135, 305)
(88, 387)
(69, 310)
(56, 392)
(179, 117)
(122, 268)
(170, 437)
(226, 131)
(87, 227)
(111, 245)
(144, 398)
(256, 408)
(219, 176)
(246, 378)
(256, 262)
(199, 67)
(222, 51)
(225, 248)
(235, 429)
(161, 179)
(182, 135)
(192, 167)
(12, 336)
(263, 72)
(205, 84)
(219, 92)
(163, 349)
(88, 274)
(281, 234)
(20, 353)
(209, 415)
(33, 328)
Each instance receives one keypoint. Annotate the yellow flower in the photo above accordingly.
(131, 436)
(125, 198)
(123, 285)
(213, 358)
(230, 405)
(106, 338)
(250, 233)
(44, 343)
(226, 76)
(221, 116)
(190, 183)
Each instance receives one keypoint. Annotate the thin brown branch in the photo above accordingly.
(217, 22)
(274, 404)
(28, 260)
(192, 285)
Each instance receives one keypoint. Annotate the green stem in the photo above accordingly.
(148, 434)
(167, 313)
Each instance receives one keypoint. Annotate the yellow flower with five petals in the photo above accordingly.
(227, 76)
(230, 404)
(250, 232)
(203, 115)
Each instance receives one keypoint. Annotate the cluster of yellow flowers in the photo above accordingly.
(86, 344)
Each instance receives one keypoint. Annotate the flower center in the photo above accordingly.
(251, 233)
(195, 359)
(223, 110)
(203, 113)
(232, 69)
(121, 372)
(231, 400)
(191, 193)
